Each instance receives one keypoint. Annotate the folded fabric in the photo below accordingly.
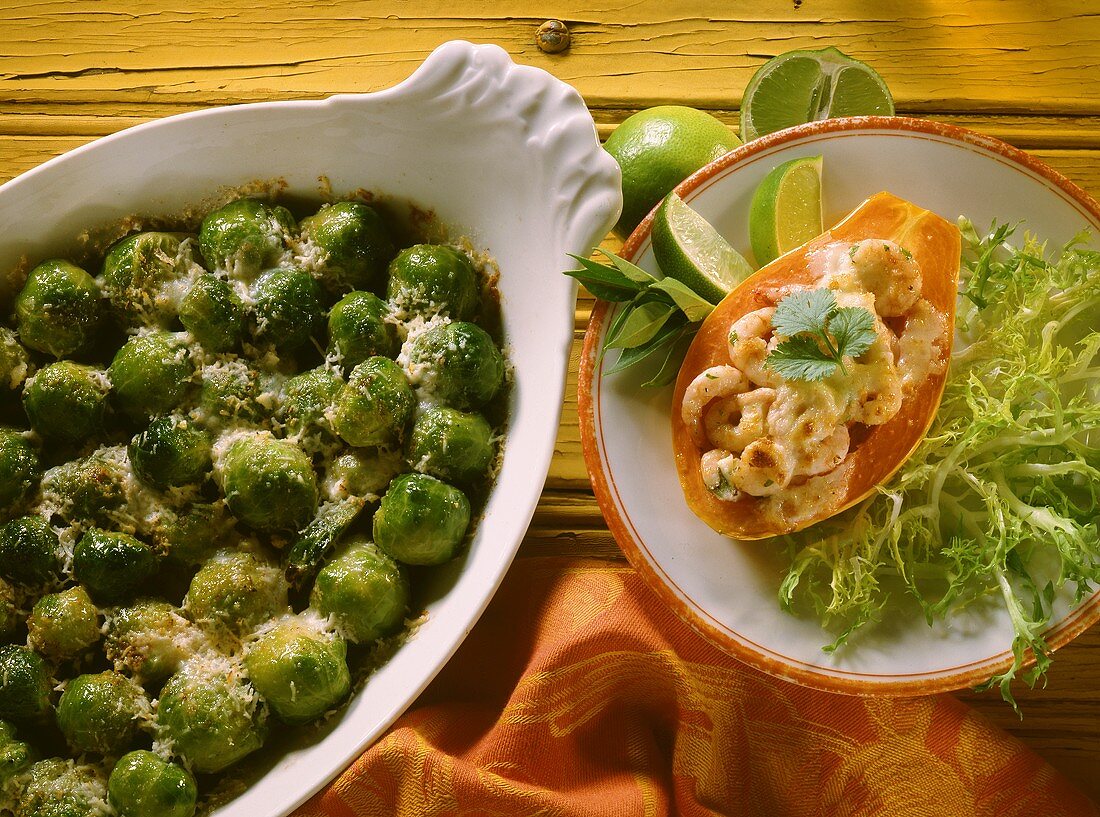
(579, 694)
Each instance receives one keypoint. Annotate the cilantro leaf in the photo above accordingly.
(801, 358)
(804, 311)
(853, 329)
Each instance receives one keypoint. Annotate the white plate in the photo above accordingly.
(729, 591)
(505, 154)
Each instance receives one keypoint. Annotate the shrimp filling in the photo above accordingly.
(762, 434)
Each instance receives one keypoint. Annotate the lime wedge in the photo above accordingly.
(804, 86)
(688, 249)
(786, 209)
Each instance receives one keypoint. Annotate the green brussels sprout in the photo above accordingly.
(375, 405)
(458, 363)
(63, 625)
(112, 565)
(421, 521)
(358, 329)
(362, 472)
(299, 668)
(268, 483)
(364, 591)
(30, 554)
(19, 469)
(15, 361)
(432, 279)
(90, 490)
(230, 392)
(211, 714)
(10, 616)
(57, 312)
(150, 374)
(237, 590)
(15, 755)
(356, 245)
(99, 713)
(308, 399)
(172, 451)
(192, 535)
(332, 521)
(213, 313)
(141, 274)
(287, 307)
(244, 236)
(150, 639)
(25, 683)
(66, 401)
(145, 785)
(451, 444)
(60, 788)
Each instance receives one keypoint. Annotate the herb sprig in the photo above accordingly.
(659, 319)
(820, 334)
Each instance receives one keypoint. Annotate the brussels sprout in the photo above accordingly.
(431, 279)
(364, 591)
(191, 536)
(60, 788)
(458, 363)
(30, 554)
(99, 713)
(237, 590)
(150, 374)
(113, 566)
(355, 244)
(450, 444)
(15, 755)
(25, 683)
(230, 392)
(10, 617)
(88, 490)
(66, 401)
(141, 274)
(15, 361)
(19, 469)
(358, 329)
(244, 236)
(299, 668)
(172, 451)
(375, 405)
(57, 311)
(421, 521)
(63, 625)
(308, 398)
(144, 785)
(211, 714)
(287, 308)
(268, 483)
(331, 522)
(150, 639)
(213, 313)
(362, 472)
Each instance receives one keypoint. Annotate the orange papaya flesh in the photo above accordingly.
(876, 452)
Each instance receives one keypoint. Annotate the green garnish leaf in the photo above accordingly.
(642, 322)
(627, 268)
(635, 355)
(819, 335)
(853, 329)
(801, 358)
(691, 304)
(805, 311)
(606, 283)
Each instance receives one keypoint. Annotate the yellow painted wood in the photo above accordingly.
(938, 55)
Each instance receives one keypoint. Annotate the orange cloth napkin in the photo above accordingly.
(578, 693)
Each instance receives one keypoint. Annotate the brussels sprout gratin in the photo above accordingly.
(220, 453)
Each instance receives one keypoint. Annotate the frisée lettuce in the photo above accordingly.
(1002, 496)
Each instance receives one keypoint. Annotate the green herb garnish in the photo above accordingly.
(819, 335)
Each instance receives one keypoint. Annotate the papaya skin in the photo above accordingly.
(877, 452)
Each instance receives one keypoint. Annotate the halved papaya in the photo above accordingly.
(876, 451)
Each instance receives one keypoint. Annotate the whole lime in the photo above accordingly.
(657, 149)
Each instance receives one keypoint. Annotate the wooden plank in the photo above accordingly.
(971, 55)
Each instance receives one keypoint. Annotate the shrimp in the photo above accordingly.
(922, 344)
(807, 422)
(890, 273)
(711, 384)
(735, 422)
(762, 469)
(715, 467)
(749, 346)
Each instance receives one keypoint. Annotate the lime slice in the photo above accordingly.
(805, 86)
(786, 209)
(688, 249)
